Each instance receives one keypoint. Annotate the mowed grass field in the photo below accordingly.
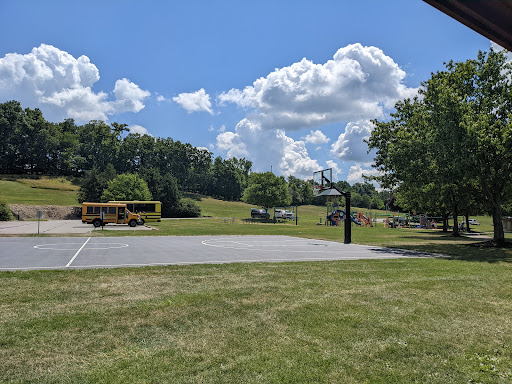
(43, 191)
(439, 320)
(388, 321)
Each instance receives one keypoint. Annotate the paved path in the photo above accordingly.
(58, 227)
(100, 252)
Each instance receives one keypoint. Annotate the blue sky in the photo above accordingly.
(287, 84)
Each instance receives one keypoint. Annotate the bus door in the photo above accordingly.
(120, 215)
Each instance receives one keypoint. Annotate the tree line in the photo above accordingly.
(448, 151)
(30, 144)
(96, 153)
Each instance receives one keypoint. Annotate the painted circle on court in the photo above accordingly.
(277, 245)
(76, 246)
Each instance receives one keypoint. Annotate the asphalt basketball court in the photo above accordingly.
(29, 253)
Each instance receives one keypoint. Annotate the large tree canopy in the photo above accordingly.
(267, 190)
(453, 143)
(127, 186)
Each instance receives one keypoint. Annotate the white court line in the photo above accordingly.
(77, 252)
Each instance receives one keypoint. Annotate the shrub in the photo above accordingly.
(187, 208)
(5, 212)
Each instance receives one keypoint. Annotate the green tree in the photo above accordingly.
(164, 189)
(227, 180)
(128, 186)
(489, 122)
(5, 212)
(454, 143)
(267, 190)
(94, 183)
(301, 192)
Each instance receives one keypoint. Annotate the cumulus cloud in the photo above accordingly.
(139, 129)
(268, 148)
(356, 173)
(61, 85)
(358, 83)
(195, 102)
(350, 145)
(316, 137)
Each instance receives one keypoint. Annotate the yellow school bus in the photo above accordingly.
(147, 210)
(112, 213)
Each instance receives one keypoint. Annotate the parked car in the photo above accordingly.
(284, 214)
(473, 222)
(280, 213)
(259, 213)
(289, 215)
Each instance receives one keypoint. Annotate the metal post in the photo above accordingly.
(348, 222)
(39, 215)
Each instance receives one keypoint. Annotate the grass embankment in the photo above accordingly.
(389, 321)
(38, 191)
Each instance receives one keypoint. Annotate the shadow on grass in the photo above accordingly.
(438, 236)
(465, 252)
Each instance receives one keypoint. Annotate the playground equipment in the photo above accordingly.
(337, 215)
(363, 219)
(322, 186)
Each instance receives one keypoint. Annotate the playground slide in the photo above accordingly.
(351, 218)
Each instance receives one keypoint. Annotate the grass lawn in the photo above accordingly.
(388, 321)
(26, 192)
(443, 320)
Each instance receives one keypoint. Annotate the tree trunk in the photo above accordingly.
(468, 229)
(455, 226)
(445, 222)
(455, 221)
(499, 234)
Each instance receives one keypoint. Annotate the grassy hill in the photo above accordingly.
(38, 191)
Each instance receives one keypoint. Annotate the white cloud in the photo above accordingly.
(316, 137)
(499, 48)
(268, 148)
(195, 101)
(129, 96)
(350, 145)
(59, 84)
(358, 83)
(161, 99)
(139, 129)
(356, 172)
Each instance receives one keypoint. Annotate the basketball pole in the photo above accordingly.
(348, 222)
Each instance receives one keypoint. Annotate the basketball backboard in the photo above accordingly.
(322, 180)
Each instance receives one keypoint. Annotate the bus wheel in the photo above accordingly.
(132, 223)
(97, 223)
(141, 222)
